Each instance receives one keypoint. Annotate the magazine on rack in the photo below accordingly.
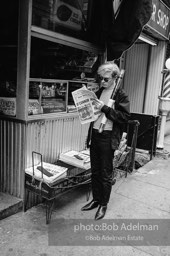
(84, 101)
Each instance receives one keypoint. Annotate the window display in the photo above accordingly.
(47, 96)
(55, 96)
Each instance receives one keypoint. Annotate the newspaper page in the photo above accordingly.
(84, 101)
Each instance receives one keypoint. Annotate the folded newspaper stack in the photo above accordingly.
(49, 173)
(79, 159)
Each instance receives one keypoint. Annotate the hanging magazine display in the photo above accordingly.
(84, 101)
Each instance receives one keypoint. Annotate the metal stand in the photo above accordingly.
(49, 193)
(121, 168)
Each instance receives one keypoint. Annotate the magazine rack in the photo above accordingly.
(49, 192)
(125, 164)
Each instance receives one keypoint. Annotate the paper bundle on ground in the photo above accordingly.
(49, 173)
(79, 159)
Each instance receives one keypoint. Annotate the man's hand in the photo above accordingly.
(98, 103)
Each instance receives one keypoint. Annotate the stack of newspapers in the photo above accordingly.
(49, 173)
(79, 159)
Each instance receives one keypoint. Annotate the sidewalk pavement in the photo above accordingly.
(144, 194)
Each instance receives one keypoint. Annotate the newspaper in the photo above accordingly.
(79, 159)
(50, 173)
(84, 102)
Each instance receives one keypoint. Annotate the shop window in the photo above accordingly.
(55, 96)
(8, 71)
(56, 61)
(8, 57)
(64, 16)
(55, 71)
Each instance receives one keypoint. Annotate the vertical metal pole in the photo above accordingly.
(164, 107)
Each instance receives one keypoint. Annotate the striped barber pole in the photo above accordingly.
(166, 88)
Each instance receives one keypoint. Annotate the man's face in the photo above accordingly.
(106, 79)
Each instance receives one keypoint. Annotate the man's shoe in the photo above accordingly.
(93, 204)
(100, 212)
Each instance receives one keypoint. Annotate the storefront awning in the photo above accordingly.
(147, 39)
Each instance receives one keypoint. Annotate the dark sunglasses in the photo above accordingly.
(105, 79)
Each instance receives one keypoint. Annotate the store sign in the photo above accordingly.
(160, 19)
(8, 106)
(68, 14)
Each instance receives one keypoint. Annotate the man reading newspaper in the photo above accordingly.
(103, 143)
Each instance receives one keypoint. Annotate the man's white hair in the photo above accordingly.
(109, 67)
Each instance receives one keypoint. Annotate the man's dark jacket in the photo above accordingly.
(119, 115)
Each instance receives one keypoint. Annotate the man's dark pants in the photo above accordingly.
(101, 155)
